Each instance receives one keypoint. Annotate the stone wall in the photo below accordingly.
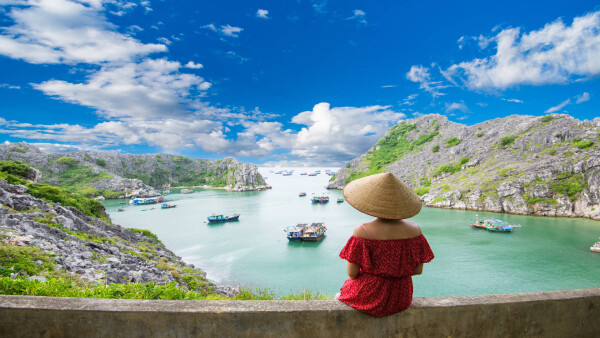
(572, 313)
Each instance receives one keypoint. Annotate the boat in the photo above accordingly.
(187, 191)
(340, 200)
(303, 173)
(121, 209)
(167, 206)
(312, 174)
(304, 232)
(214, 218)
(302, 194)
(595, 247)
(494, 225)
(320, 199)
(149, 200)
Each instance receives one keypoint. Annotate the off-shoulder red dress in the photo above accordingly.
(384, 284)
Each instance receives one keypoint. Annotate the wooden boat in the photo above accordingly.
(121, 209)
(595, 247)
(150, 200)
(302, 194)
(494, 225)
(220, 218)
(187, 191)
(304, 232)
(340, 200)
(320, 199)
(168, 206)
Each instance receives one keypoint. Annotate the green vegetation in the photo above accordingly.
(88, 206)
(535, 200)
(20, 149)
(67, 288)
(21, 260)
(392, 148)
(552, 151)
(451, 168)
(67, 161)
(422, 191)
(479, 134)
(453, 141)
(435, 148)
(506, 141)
(101, 162)
(17, 168)
(568, 184)
(547, 118)
(584, 144)
(146, 233)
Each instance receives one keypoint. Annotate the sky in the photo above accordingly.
(285, 82)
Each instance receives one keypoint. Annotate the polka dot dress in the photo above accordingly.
(384, 284)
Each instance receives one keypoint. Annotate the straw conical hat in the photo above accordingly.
(383, 196)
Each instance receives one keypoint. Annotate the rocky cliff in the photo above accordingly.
(65, 243)
(528, 165)
(112, 174)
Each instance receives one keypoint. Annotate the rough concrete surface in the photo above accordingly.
(572, 313)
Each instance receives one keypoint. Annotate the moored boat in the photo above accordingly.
(217, 218)
(121, 209)
(595, 247)
(320, 199)
(302, 194)
(304, 232)
(187, 191)
(167, 206)
(340, 200)
(149, 200)
(494, 225)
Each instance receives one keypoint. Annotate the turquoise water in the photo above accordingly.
(545, 254)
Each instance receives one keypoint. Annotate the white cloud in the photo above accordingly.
(9, 86)
(231, 30)
(335, 135)
(388, 86)
(235, 56)
(512, 100)
(456, 106)
(558, 107)
(227, 30)
(410, 99)
(359, 15)
(62, 31)
(150, 89)
(193, 65)
(422, 76)
(554, 54)
(164, 41)
(262, 13)
(582, 98)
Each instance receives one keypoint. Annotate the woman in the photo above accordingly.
(383, 254)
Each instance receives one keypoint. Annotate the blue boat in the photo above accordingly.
(220, 218)
(150, 200)
(305, 232)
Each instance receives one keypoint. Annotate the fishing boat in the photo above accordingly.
(302, 194)
(149, 200)
(168, 206)
(340, 200)
(494, 225)
(187, 191)
(320, 199)
(214, 218)
(304, 232)
(121, 209)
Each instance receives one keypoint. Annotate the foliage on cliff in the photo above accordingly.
(547, 165)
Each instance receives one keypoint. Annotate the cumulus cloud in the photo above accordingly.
(582, 98)
(62, 31)
(262, 13)
(423, 77)
(145, 90)
(558, 107)
(227, 30)
(193, 65)
(335, 135)
(556, 53)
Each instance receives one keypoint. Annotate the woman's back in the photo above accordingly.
(383, 229)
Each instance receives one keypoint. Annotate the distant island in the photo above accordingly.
(117, 175)
(527, 165)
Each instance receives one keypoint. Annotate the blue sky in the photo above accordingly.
(298, 82)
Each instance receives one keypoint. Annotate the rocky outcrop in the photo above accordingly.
(116, 175)
(547, 166)
(92, 249)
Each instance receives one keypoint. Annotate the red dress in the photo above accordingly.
(384, 284)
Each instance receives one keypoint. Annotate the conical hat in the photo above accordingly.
(383, 196)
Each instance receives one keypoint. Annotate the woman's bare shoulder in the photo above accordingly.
(359, 232)
(414, 227)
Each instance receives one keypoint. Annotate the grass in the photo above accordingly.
(506, 141)
(453, 141)
(451, 168)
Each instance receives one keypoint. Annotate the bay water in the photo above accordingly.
(545, 254)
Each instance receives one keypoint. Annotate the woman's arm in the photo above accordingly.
(418, 270)
(352, 270)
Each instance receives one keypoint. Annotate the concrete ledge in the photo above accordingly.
(572, 313)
